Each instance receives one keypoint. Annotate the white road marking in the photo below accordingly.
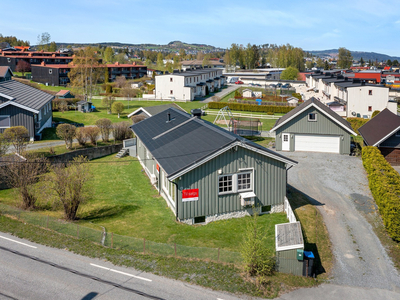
(17, 242)
(123, 273)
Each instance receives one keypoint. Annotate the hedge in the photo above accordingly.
(251, 107)
(384, 183)
(357, 123)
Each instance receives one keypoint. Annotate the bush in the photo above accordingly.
(121, 131)
(81, 136)
(375, 113)
(357, 123)
(384, 183)
(109, 89)
(251, 107)
(92, 133)
(105, 126)
(67, 133)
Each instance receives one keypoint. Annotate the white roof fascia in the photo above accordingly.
(210, 157)
(319, 109)
(386, 137)
(20, 106)
(7, 97)
(139, 109)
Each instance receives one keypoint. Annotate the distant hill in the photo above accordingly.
(170, 47)
(356, 55)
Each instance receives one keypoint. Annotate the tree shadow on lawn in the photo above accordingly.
(108, 212)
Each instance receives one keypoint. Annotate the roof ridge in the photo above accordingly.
(173, 128)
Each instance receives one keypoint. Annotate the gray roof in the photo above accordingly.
(350, 84)
(185, 140)
(380, 127)
(320, 105)
(288, 235)
(24, 94)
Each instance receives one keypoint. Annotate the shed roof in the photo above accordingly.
(62, 92)
(380, 127)
(153, 110)
(24, 95)
(288, 236)
(319, 106)
(185, 142)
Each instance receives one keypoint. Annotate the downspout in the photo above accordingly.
(177, 198)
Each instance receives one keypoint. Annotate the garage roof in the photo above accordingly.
(319, 106)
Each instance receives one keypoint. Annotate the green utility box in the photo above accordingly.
(300, 254)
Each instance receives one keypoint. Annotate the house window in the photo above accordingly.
(225, 184)
(244, 181)
(171, 92)
(5, 122)
(171, 79)
(40, 115)
(285, 137)
(312, 117)
(370, 92)
(369, 108)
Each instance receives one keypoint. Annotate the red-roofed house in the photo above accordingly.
(63, 94)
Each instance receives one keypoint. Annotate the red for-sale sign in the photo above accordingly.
(190, 195)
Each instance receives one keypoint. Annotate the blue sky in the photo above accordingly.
(358, 25)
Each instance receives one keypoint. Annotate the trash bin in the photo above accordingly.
(308, 263)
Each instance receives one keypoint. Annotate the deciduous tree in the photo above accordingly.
(93, 134)
(290, 73)
(107, 102)
(67, 133)
(69, 183)
(117, 108)
(345, 59)
(105, 126)
(4, 145)
(23, 67)
(18, 136)
(121, 131)
(109, 55)
(81, 136)
(43, 41)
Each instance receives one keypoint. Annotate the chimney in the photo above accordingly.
(42, 63)
(134, 63)
(168, 117)
(117, 63)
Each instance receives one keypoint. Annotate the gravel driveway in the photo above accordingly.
(338, 186)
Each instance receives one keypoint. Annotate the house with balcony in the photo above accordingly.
(186, 85)
(22, 105)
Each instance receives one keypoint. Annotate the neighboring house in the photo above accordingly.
(64, 94)
(337, 107)
(314, 127)
(292, 100)
(5, 73)
(247, 93)
(196, 63)
(383, 131)
(185, 86)
(57, 74)
(151, 71)
(22, 105)
(136, 85)
(153, 110)
(206, 173)
(4, 45)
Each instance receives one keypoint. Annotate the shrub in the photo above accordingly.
(109, 89)
(375, 113)
(81, 135)
(251, 107)
(357, 123)
(105, 126)
(67, 133)
(92, 133)
(18, 136)
(384, 183)
(122, 131)
(137, 119)
(117, 108)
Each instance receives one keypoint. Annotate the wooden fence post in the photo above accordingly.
(175, 249)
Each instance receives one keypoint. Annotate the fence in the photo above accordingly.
(119, 241)
(275, 103)
(289, 211)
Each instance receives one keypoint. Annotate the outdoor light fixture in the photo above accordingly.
(219, 171)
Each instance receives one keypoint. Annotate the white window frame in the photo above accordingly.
(50, 71)
(312, 120)
(235, 181)
(9, 121)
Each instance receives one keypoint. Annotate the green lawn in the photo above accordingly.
(125, 203)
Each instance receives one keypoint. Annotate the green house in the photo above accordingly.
(314, 127)
(206, 173)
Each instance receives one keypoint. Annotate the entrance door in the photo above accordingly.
(285, 142)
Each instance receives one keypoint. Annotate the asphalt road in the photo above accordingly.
(32, 271)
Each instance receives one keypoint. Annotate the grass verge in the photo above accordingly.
(208, 274)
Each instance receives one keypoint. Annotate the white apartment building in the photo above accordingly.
(186, 85)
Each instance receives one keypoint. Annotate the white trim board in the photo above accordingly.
(139, 109)
(19, 105)
(319, 109)
(215, 154)
(386, 137)
(6, 96)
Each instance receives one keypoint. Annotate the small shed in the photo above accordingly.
(292, 100)
(336, 106)
(257, 94)
(289, 245)
(247, 93)
(64, 94)
(84, 106)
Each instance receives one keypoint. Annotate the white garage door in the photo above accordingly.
(317, 143)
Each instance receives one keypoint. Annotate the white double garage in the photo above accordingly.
(313, 143)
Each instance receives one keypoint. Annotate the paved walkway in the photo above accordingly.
(223, 93)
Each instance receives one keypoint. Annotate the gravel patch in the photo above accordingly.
(338, 186)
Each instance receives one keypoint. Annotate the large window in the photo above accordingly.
(235, 183)
(5, 121)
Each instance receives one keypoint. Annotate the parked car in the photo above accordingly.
(286, 86)
(239, 82)
(279, 85)
(272, 85)
(256, 84)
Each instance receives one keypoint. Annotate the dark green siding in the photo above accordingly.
(287, 262)
(323, 126)
(269, 183)
(392, 142)
(19, 117)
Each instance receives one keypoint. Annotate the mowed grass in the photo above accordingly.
(101, 112)
(124, 202)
